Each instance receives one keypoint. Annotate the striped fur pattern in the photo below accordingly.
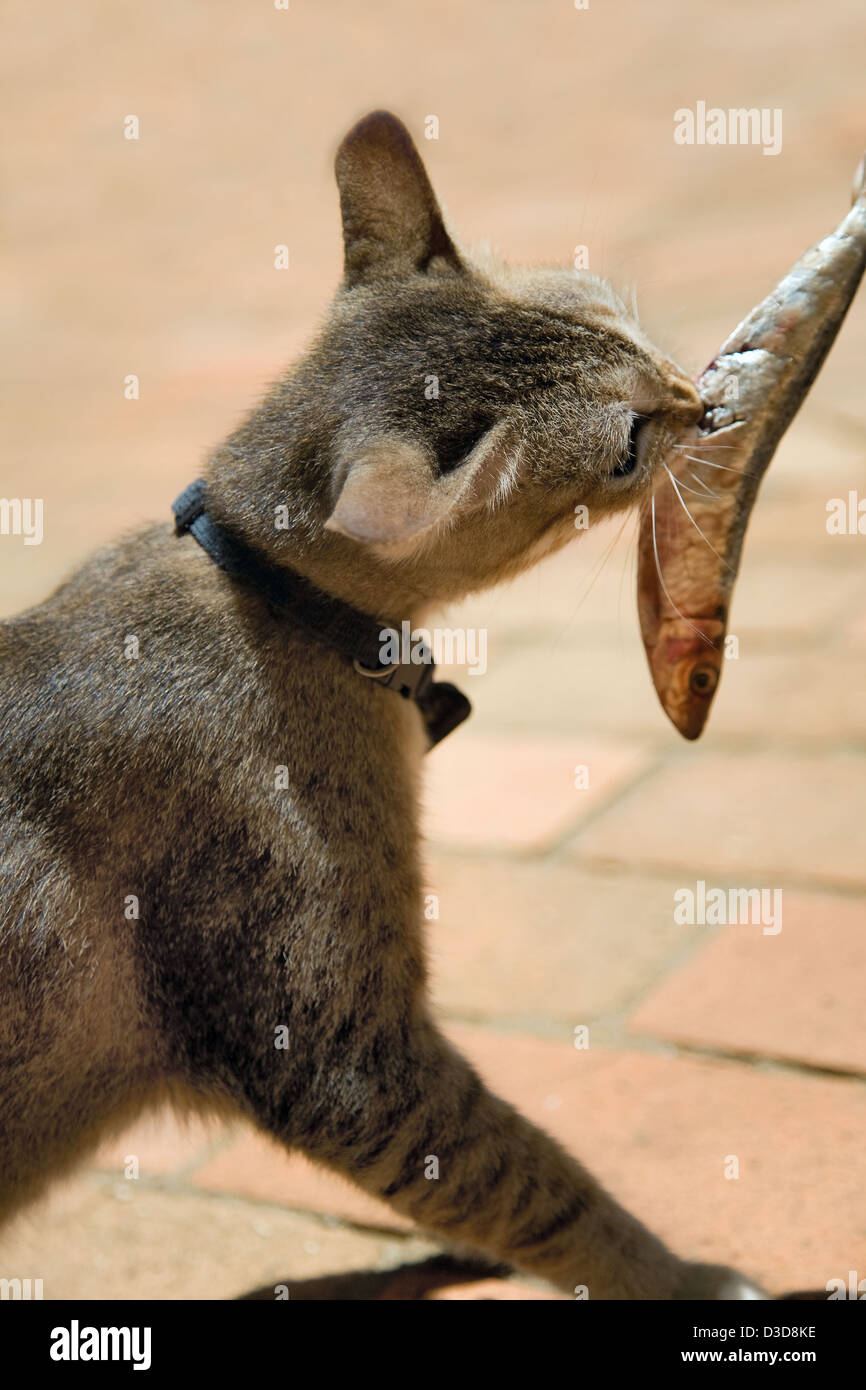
(210, 824)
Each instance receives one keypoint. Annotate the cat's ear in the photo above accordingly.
(391, 220)
(390, 494)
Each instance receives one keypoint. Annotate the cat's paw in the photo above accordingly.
(716, 1283)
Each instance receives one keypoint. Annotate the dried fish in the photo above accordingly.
(692, 531)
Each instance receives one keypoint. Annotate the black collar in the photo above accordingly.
(355, 635)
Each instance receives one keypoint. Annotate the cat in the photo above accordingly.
(209, 811)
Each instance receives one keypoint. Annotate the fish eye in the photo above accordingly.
(703, 680)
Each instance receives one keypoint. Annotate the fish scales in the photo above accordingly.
(689, 546)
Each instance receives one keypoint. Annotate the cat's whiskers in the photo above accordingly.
(703, 636)
(631, 554)
(705, 441)
(685, 508)
(708, 491)
(594, 576)
(693, 458)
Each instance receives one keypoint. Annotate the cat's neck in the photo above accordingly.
(279, 512)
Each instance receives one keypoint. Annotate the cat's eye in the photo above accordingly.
(453, 446)
(628, 461)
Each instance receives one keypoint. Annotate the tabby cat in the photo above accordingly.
(209, 812)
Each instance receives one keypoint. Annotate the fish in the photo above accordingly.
(694, 522)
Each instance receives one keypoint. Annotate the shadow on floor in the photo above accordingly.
(405, 1282)
(413, 1282)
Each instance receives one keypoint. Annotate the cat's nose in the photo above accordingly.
(684, 402)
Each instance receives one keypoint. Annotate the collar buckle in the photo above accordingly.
(408, 678)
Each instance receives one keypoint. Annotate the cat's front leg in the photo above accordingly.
(465, 1165)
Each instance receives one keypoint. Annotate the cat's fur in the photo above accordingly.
(156, 777)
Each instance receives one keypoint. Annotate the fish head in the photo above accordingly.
(686, 664)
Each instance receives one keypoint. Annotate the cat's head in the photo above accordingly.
(464, 410)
